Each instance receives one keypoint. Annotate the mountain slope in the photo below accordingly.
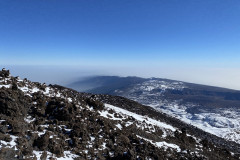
(213, 109)
(53, 122)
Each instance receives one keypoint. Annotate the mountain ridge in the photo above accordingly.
(101, 77)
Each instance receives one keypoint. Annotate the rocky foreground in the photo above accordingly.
(52, 122)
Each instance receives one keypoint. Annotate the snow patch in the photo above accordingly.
(29, 119)
(11, 144)
(163, 144)
(67, 155)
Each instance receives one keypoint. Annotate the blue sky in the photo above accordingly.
(122, 33)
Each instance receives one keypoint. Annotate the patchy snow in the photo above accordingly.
(92, 138)
(24, 89)
(5, 85)
(166, 145)
(104, 145)
(29, 119)
(34, 90)
(67, 155)
(119, 126)
(163, 144)
(11, 144)
(68, 130)
(148, 86)
(108, 115)
(47, 91)
(140, 118)
(142, 122)
(58, 94)
(40, 133)
(69, 99)
(28, 88)
(223, 123)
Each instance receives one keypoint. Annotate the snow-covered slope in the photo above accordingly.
(215, 110)
(223, 122)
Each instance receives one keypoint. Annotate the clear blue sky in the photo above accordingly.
(189, 33)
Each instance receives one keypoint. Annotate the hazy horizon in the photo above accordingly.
(64, 75)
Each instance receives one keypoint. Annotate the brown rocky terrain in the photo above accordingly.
(41, 122)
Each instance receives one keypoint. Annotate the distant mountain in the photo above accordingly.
(104, 84)
(213, 109)
(39, 121)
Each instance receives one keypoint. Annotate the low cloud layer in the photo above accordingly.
(63, 75)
